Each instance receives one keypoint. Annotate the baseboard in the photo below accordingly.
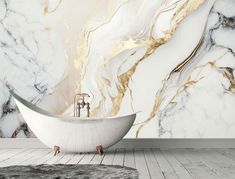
(133, 143)
(177, 143)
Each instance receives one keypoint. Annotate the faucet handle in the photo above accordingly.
(83, 95)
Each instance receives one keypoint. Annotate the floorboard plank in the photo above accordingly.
(53, 159)
(108, 157)
(223, 166)
(44, 159)
(32, 156)
(16, 159)
(153, 167)
(40, 154)
(167, 170)
(119, 157)
(230, 153)
(65, 159)
(76, 158)
(194, 166)
(2, 151)
(179, 169)
(97, 158)
(129, 160)
(10, 153)
(141, 165)
(87, 158)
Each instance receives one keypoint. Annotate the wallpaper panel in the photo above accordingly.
(173, 60)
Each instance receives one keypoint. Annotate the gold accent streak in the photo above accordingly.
(153, 45)
(46, 11)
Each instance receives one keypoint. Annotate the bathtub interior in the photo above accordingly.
(32, 106)
(67, 118)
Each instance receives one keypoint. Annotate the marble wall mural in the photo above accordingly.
(173, 60)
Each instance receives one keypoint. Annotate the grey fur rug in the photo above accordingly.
(68, 171)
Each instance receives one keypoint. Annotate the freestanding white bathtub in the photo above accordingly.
(74, 134)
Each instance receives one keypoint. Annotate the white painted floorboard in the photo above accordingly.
(153, 166)
(179, 169)
(108, 157)
(129, 160)
(141, 165)
(97, 159)
(194, 165)
(150, 163)
(76, 159)
(87, 158)
(119, 157)
(167, 170)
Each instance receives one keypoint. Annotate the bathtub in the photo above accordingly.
(74, 134)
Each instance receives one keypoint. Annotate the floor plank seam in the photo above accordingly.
(211, 168)
(182, 165)
(170, 164)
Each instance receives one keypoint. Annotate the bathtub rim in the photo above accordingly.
(64, 118)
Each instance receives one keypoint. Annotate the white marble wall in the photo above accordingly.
(173, 60)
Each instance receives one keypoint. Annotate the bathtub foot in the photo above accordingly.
(99, 149)
(56, 149)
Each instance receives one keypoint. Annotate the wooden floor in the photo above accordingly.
(151, 163)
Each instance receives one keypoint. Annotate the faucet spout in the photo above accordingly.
(80, 103)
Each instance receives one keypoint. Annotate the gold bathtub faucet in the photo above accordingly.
(80, 103)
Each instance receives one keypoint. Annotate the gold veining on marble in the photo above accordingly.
(190, 81)
(153, 44)
(120, 46)
(179, 67)
(227, 73)
(182, 7)
(159, 98)
(124, 78)
(46, 7)
(157, 103)
(159, 95)
(47, 28)
(83, 50)
(195, 4)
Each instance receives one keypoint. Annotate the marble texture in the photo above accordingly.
(173, 60)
